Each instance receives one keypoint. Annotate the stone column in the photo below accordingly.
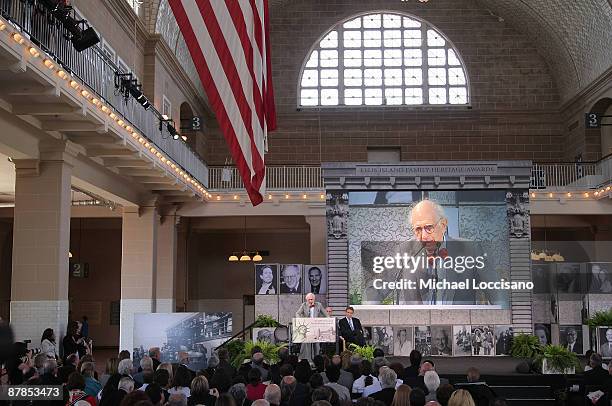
(138, 268)
(318, 239)
(166, 264)
(41, 240)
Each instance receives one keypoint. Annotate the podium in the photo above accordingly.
(310, 332)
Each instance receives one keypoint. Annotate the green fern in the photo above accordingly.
(601, 318)
(558, 358)
(366, 351)
(264, 320)
(269, 351)
(525, 346)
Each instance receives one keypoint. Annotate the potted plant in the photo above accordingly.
(264, 320)
(269, 351)
(556, 359)
(601, 318)
(366, 351)
(525, 346)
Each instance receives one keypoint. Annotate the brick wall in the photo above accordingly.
(515, 102)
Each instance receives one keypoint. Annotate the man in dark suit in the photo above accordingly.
(388, 379)
(350, 328)
(291, 279)
(597, 376)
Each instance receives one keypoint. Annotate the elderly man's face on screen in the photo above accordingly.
(428, 224)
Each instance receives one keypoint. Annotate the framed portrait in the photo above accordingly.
(483, 341)
(542, 331)
(600, 277)
(542, 276)
(570, 337)
(604, 341)
(264, 335)
(441, 340)
(422, 339)
(462, 340)
(569, 278)
(402, 342)
(266, 279)
(382, 337)
(315, 279)
(291, 279)
(503, 339)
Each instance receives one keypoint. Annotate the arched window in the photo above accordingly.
(383, 59)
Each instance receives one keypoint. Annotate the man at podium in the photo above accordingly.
(310, 309)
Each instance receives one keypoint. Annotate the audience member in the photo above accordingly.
(199, 392)
(257, 361)
(179, 399)
(333, 375)
(432, 383)
(155, 393)
(181, 382)
(444, 393)
(124, 354)
(402, 396)
(146, 364)
(255, 389)
(134, 397)
(292, 392)
(417, 397)
(272, 394)
(261, 402)
(47, 344)
(596, 375)
(76, 391)
(387, 378)
(238, 392)
(225, 399)
(461, 397)
(412, 371)
(481, 394)
(92, 386)
(111, 368)
(366, 378)
(155, 355)
(224, 362)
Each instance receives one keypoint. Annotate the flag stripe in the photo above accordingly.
(218, 90)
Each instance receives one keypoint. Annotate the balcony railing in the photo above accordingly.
(554, 176)
(98, 71)
(295, 178)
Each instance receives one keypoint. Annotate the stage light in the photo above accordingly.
(86, 39)
(175, 135)
(81, 37)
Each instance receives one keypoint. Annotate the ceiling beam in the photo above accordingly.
(44, 109)
(110, 152)
(71, 126)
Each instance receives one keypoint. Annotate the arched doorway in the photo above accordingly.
(186, 125)
(604, 107)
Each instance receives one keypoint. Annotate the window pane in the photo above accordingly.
(413, 77)
(393, 57)
(329, 97)
(452, 58)
(313, 62)
(413, 57)
(310, 78)
(457, 95)
(436, 76)
(309, 97)
(436, 57)
(352, 58)
(372, 77)
(412, 38)
(393, 77)
(371, 21)
(373, 97)
(392, 38)
(414, 95)
(353, 77)
(352, 39)
(411, 23)
(355, 23)
(371, 39)
(353, 97)
(434, 39)
(329, 77)
(456, 76)
(330, 40)
(329, 58)
(393, 96)
(392, 21)
(372, 57)
(437, 95)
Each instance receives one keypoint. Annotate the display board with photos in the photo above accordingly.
(196, 334)
(571, 278)
(271, 335)
(442, 340)
(571, 338)
(542, 331)
(604, 341)
(290, 279)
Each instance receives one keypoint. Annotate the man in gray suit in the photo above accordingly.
(310, 309)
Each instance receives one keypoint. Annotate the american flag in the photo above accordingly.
(229, 44)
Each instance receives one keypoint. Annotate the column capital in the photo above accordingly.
(27, 167)
(56, 150)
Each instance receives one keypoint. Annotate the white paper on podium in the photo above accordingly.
(314, 330)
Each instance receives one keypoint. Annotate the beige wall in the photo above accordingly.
(6, 254)
(96, 242)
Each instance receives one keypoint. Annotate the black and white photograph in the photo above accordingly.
(542, 331)
(291, 279)
(569, 278)
(315, 279)
(403, 343)
(441, 340)
(503, 339)
(483, 342)
(422, 339)
(570, 337)
(542, 275)
(382, 337)
(600, 277)
(266, 279)
(181, 335)
(264, 335)
(604, 341)
(462, 341)
(367, 334)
